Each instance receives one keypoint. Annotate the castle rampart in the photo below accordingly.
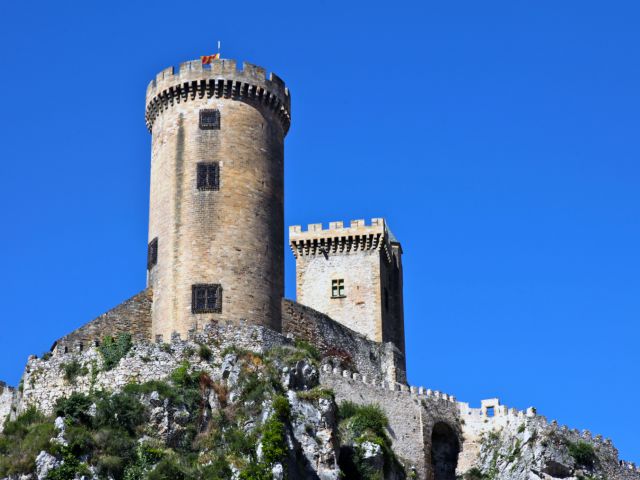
(375, 360)
(132, 316)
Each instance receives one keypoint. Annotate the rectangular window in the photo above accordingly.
(208, 176)
(206, 298)
(337, 288)
(209, 119)
(152, 253)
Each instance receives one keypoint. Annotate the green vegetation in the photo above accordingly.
(522, 428)
(72, 370)
(583, 453)
(112, 434)
(113, 350)
(204, 352)
(22, 441)
(359, 424)
(316, 394)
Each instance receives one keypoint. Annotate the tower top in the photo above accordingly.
(358, 236)
(222, 78)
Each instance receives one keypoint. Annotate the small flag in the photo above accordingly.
(207, 59)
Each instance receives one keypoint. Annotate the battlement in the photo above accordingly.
(358, 236)
(223, 78)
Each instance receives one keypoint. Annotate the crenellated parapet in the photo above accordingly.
(358, 236)
(222, 78)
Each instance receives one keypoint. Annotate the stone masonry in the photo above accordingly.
(366, 260)
(229, 233)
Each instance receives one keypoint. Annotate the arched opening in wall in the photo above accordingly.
(444, 452)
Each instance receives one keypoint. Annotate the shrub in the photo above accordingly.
(169, 469)
(113, 350)
(346, 410)
(474, 474)
(73, 370)
(583, 453)
(368, 418)
(70, 468)
(204, 352)
(75, 407)
(219, 469)
(46, 356)
(281, 408)
(22, 440)
(121, 410)
(311, 350)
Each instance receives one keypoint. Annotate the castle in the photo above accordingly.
(215, 268)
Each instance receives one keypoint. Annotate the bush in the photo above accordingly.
(22, 440)
(73, 370)
(204, 352)
(75, 407)
(281, 408)
(121, 410)
(169, 469)
(113, 350)
(70, 468)
(583, 453)
(366, 418)
(219, 469)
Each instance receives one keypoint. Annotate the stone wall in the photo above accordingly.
(43, 381)
(131, 316)
(412, 413)
(370, 267)
(232, 236)
(376, 360)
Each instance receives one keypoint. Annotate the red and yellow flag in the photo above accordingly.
(207, 59)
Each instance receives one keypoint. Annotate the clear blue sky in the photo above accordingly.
(499, 138)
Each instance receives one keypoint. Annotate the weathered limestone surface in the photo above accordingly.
(43, 380)
(7, 395)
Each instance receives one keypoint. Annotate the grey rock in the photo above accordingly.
(45, 462)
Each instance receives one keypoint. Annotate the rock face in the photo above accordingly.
(247, 400)
(533, 450)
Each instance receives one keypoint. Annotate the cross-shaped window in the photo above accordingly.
(206, 298)
(208, 176)
(337, 288)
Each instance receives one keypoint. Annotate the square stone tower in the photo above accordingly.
(352, 274)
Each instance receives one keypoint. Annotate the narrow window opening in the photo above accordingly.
(337, 288)
(152, 253)
(208, 176)
(386, 299)
(209, 119)
(206, 298)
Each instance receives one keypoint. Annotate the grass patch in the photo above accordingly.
(316, 394)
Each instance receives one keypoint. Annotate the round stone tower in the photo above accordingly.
(216, 215)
